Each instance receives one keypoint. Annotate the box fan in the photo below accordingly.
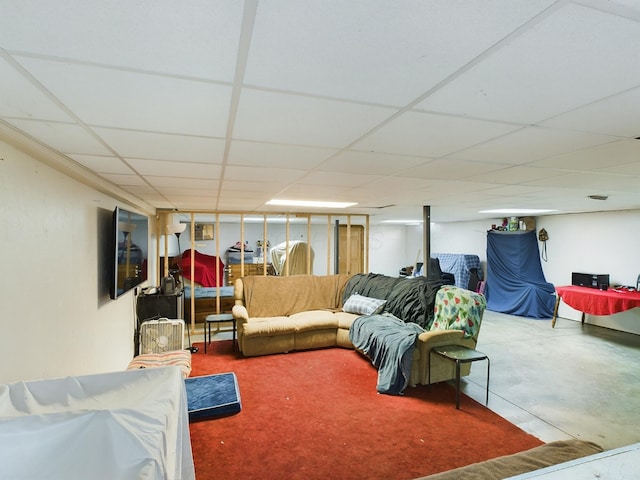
(162, 335)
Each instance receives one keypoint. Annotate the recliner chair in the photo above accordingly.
(457, 318)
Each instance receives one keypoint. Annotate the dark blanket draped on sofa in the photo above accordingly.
(409, 299)
(389, 343)
(515, 280)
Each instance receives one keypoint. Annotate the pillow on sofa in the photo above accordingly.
(363, 305)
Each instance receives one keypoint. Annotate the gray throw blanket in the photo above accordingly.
(389, 343)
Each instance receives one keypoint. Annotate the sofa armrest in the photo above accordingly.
(441, 337)
(240, 313)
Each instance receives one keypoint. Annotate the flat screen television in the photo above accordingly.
(129, 249)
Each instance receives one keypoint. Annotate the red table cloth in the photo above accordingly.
(599, 302)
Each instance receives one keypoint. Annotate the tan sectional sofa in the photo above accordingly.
(547, 455)
(300, 312)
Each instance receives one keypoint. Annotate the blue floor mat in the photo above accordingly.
(212, 396)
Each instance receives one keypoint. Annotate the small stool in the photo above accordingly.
(219, 318)
(460, 354)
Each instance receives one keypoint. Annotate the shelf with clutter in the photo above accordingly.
(515, 224)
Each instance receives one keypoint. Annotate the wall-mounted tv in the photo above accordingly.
(130, 246)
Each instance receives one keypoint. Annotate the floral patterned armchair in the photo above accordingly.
(457, 318)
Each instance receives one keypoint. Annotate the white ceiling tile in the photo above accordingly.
(260, 154)
(339, 178)
(141, 93)
(63, 137)
(618, 115)
(103, 164)
(632, 168)
(561, 63)
(154, 199)
(471, 185)
(251, 187)
(374, 163)
(449, 169)
(399, 183)
(171, 191)
(597, 158)
(125, 180)
(297, 120)
(158, 146)
(429, 135)
(175, 169)
(374, 51)
(531, 143)
(192, 202)
(521, 174)
(21, 99)
(184, 182)
(264, 174)
(513, 191)
(332, 193)
(197, 38)
(598, 182)
(240, 204)
(144, 191)
(100, 97)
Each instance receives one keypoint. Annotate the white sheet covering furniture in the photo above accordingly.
(122, 425)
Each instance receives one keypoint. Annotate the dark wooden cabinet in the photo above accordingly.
(234, 271)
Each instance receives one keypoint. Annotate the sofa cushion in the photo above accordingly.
(345, 320)
(363, 305)
(314, 320)
(268, 326)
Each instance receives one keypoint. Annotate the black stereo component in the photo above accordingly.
(590, 280)
(159, 305)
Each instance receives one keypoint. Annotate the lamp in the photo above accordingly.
(177, 229)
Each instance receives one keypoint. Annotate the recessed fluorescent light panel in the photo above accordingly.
(403, 222)
(517, 211)
(310, 203)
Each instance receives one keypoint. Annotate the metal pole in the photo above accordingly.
(426, 227)
(336, 246)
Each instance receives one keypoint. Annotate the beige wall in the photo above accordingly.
(57, 318)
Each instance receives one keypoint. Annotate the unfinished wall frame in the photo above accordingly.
(266, 229)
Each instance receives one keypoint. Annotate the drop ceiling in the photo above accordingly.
(224, 105)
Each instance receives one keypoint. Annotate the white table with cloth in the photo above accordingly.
(121, 425)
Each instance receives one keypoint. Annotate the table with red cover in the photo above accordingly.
(596, 302)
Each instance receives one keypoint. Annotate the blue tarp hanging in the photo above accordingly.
(515, 281)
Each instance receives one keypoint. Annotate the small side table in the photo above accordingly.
(460, 354)
(219, 318)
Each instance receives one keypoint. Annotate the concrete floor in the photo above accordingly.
(563, 382)
(571, 381)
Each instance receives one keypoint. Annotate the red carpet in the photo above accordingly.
(316, 414)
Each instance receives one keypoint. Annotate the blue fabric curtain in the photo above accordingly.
(515, 281)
